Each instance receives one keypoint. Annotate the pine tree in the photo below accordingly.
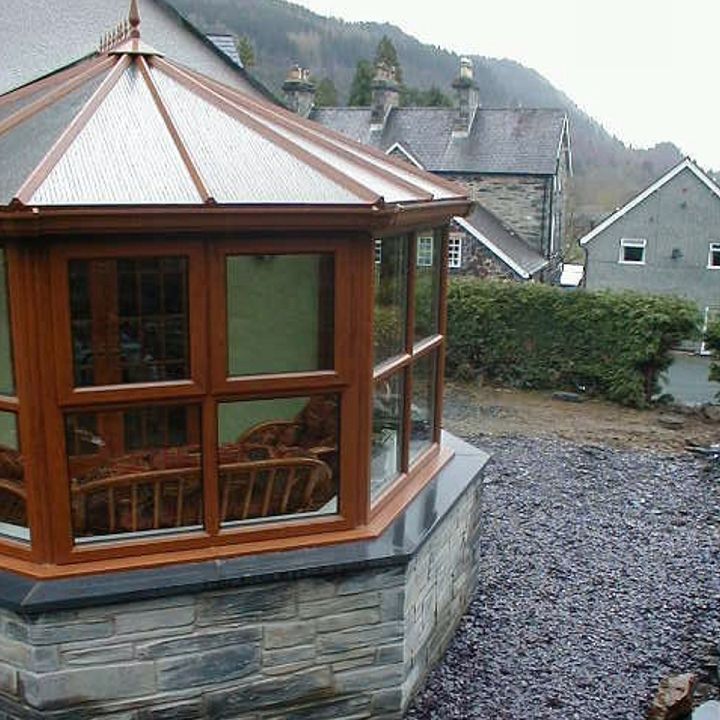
(246, 51)
(361, 88)
(326, 94)
(387, 55)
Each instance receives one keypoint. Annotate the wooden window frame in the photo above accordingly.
(414, 476)
(207, 387)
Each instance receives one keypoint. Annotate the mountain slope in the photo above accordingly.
(607, 172)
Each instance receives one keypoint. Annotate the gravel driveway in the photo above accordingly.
(599, 575)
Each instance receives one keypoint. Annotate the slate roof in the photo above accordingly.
(226, 43)
(129, 127)
(514, 252)
(506, 141)
(40, 36)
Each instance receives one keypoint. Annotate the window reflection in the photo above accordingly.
(13, 505)
(278, 458)
(389, 319)
(280, 313)
(135, 470)
(386, 433)
(129, 320)
(427, 284)
(422, 411)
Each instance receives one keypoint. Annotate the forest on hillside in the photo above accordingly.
(279, 34)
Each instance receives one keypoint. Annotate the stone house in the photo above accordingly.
(665, 240)
(515, 164)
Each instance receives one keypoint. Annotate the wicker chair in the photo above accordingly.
(277, 486)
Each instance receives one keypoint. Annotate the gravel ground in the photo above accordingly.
(599, 575)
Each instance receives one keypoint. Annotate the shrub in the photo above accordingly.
(712, 342)
(536, 336)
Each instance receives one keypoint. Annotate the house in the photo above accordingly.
(665, 240)
(48, 35)
(220, 420)
(515, 164)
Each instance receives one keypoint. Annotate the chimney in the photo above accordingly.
(299, 91)
(385, 95)
(468, 97)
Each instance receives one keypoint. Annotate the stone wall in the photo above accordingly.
(344, 646)
(520, 201)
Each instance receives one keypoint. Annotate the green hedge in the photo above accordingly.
(535, 336)
(712, 341)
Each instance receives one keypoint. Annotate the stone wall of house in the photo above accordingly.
(522, 203)
(337, 647)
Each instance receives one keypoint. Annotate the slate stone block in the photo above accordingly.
(8, 680)
(206, 668)
(198, 642)
(302, 688)
(350, 639)
(355, 619)
(148, 620)
(73, 632)
(190, 710)
(266, 602)
(372, 678)
(337, 605)
(99, 655)
(282, 635)
(70, 687)
(284, 656)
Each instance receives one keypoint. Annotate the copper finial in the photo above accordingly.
(134, 19)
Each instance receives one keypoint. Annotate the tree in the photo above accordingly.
(361, 87)
(387, 55)
(246, 51)
(414, 97)
(326, 94)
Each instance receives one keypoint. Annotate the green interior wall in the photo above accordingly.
(7, 384)
(273, 304)
(235, 418)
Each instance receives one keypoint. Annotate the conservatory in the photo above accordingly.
(222, 332)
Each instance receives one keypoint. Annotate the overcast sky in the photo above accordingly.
(646, 69)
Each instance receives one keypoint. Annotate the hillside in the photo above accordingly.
(607, 172)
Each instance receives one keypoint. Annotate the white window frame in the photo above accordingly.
(425, 251)
(455, 243)
(378, 252)
(713, 248)
(632, 243)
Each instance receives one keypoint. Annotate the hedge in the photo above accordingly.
(712, 342)
(536, 336)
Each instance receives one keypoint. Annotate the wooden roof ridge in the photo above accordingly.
(69, 84)
(46, 165)
(204, 89)
(336, 142)
(184, 153)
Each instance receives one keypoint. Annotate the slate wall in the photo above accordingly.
(346, 646)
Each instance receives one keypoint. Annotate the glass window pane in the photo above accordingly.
(427, 284)
(389, 321)
(278, 458)
(280, 313)
(422, 412)
(7, 383)
(136, 470)
(13, 506)
(129, 320)
(386, 433)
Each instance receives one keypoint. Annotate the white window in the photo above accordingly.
(425, 250)
(455, 251)
(378, 252)
(632, 251)
(714, 256)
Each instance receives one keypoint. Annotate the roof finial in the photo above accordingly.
(134, 19)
